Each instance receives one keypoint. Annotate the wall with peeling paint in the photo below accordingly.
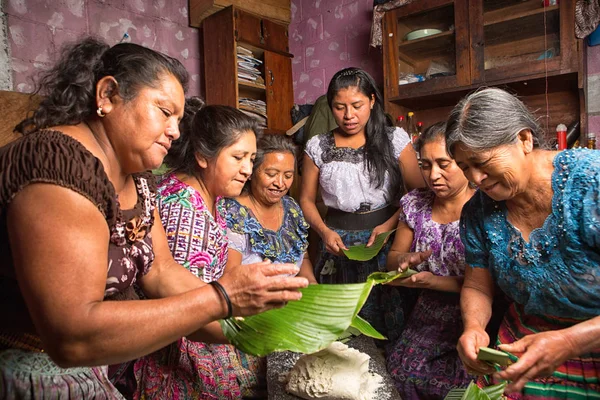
(326, 36)
(36, 29)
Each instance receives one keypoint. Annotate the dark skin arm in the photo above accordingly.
(308, 198)
(63, 288)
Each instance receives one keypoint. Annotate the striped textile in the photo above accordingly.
(578, 378)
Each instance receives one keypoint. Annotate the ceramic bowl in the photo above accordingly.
(421, 33)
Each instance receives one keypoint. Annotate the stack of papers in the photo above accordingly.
(256, 109)
(248, 67)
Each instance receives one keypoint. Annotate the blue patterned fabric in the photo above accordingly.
(286, 245)
(556, 273)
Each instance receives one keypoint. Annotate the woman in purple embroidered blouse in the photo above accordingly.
(423, 361)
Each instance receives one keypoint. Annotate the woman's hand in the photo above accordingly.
(468, 347)
(406, 260)
(421, 280)
(255, 288)
(539, 355)
(333, 242)
(378, 230)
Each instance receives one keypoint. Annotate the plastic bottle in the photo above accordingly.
(591, 144)
(400, 122)
(412, 128)
(561, 137)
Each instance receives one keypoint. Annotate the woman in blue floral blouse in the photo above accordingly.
(265, 223)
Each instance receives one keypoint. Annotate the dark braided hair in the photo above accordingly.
(70, 86)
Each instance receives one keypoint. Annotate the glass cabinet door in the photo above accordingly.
(522, 37)
(429, 43)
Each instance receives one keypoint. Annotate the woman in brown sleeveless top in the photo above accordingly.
(78, 226)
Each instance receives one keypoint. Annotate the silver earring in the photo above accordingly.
(100, 113)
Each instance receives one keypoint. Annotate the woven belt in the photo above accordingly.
(352, 221)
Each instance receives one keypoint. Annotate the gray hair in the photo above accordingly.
(272, 143)
(489, 118)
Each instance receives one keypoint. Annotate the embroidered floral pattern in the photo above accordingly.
(136, 228)
(196, 238)
(557, 271)
(286, 245)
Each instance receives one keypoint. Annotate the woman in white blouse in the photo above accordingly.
(361, 168)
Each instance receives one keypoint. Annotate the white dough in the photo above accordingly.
(337, 372)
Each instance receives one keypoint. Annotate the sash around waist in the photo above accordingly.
(353, 221)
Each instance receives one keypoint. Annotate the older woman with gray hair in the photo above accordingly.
(533, 230)
(264, 222)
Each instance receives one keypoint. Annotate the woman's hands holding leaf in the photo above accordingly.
(539, 355)
(468, 346)
(259, 287)
(333, 242)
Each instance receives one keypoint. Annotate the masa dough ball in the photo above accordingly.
(337, 372)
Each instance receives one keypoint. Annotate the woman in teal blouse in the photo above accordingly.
(533, 228)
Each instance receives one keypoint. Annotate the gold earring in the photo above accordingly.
(100, 113)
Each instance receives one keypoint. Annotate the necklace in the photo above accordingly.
(259, 215)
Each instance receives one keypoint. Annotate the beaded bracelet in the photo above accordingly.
(221, 289)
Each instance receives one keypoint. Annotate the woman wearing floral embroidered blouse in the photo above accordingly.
(212, 159)
(78, 227)
(265, 223)
(533, 229)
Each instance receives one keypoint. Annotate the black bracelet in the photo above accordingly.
(221, 289)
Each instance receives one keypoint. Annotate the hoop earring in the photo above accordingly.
(100, 113)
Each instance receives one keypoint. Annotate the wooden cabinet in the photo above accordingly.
(223, 32)
(520, 45)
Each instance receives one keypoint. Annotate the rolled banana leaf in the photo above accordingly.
(474, 392)
(310, 324)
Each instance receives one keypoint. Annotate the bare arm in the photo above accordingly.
(409, 166)
(306, 270)
(63, 282)
(401, 245)
(476, 299)
(168, 278)
(308, 198)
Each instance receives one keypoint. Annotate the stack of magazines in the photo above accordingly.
(248, 67)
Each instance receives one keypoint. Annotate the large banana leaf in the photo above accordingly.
(310, 324)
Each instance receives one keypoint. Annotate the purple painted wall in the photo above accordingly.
(38, 28)
(326, 36)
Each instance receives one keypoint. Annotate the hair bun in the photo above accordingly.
(194, 104)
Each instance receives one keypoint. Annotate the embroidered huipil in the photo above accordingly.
(557, 272)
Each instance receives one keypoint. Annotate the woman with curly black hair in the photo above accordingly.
(78, 226)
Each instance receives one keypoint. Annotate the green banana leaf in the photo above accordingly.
(361, 252)
(493, 356)
(310, 324)
(474, 392)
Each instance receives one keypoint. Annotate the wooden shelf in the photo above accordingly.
(515, 27)
(428, 47)
(252, 86)
(520, 10)
(428, 94)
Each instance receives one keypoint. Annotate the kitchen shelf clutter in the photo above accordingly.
(247, 65)
(524, 46)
